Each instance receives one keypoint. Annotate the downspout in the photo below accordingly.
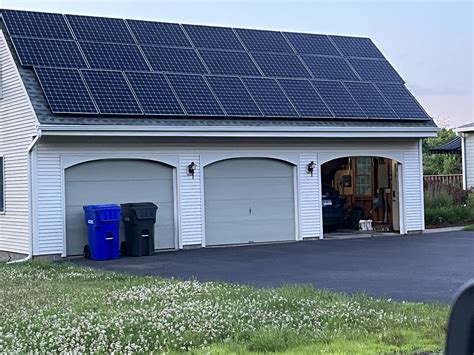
(30, 150)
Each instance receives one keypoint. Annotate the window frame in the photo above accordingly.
(367, 175)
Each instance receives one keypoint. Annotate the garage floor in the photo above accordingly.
(424, 268)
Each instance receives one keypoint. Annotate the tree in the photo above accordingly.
(440, 164)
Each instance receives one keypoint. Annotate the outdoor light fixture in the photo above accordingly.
(310, 167)
(190, 169)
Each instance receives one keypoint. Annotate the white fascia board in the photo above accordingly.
(242, 132)
(465, 129)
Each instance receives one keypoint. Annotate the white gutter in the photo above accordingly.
(465, 129)
(30, 150)
(238, 131)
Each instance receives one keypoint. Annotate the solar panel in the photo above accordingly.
(356, 47)
(375, 70)
(48, 52)
(232, 63)
(114, 56)
(65, 90)
(233, 96)
(111, 92)
(158, 33)
(269, 97)
(264, 41)
(369, 99)
(100, 29)
(213, 37)
(401, 101)
(331, 68)
(175, 60)
(306, 43)
(304, 98)
(338, 99)
(281, 65)
(154, 94)
(195, 95)
(36, 24)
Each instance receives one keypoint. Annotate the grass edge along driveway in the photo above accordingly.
(64, 308)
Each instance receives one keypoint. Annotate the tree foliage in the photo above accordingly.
(440, 164)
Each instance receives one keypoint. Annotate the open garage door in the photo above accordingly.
(249, 200)
(118, 181)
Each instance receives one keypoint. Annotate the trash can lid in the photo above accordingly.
(101, 207)
(138, 204)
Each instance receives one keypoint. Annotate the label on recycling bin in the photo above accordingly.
(90, 221)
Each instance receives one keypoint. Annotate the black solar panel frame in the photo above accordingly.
(96, 46)
(368, 42)
(11, 31)
(372, 77)
(139, 38)
(130, 80)
(352, 86)
(209, 78)
(414, 101)
(271, 67)
(196, 38)
(247, 80)
(153, 63)
(282, 83)
(169, 77)
(125, 38)
(48, 99)
(308, 60)
(314, 83)
(203, 53)
(48, 51)
(117, 113)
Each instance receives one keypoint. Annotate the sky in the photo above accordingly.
(430, 43)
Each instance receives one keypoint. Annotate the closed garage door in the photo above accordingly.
(249, 200)
(118, 181)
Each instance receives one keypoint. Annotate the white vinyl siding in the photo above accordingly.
(54, 154)
(469, 159)
(309, 188)
(17, 128)
(2, 186)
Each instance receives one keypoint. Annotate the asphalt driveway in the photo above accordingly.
(425, 268)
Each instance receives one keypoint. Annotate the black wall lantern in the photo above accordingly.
(191, 168)
(310, 168)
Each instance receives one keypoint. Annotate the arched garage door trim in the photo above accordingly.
(324, 158)
(295, 191)
(72, 160)
(68, 163)
(208, 159)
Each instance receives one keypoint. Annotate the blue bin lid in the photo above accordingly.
(93, 208)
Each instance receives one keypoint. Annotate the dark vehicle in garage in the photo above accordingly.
(333, 208)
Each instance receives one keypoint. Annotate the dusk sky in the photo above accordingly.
(430, 43)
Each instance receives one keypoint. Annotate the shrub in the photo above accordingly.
(448, 205)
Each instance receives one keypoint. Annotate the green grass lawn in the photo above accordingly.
(63, 308)
(470, 228)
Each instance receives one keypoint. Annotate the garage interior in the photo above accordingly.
(358, 189)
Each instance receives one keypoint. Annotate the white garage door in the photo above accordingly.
(118, 181)
(249, 200)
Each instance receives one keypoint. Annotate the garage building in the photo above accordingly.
(466, 133)
(239, 136)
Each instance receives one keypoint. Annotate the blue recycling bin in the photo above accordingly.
(103, 222)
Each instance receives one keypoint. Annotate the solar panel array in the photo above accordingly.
(94, 65)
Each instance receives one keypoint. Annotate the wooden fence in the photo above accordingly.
(451, 180)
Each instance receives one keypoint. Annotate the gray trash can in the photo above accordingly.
(139, 220)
